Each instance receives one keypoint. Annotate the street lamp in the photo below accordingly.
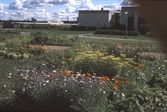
(77, 28)
(126, 13)
(19, 21)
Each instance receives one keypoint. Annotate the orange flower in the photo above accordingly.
(115, 87)
(51, 75)
(122, 82)
(72, 71)
(127, 82)
(88, 75)
(82, 76)
(61, 72)
(67, 73)
(140, 65)
(116, 81)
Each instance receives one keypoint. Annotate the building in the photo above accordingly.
(95, 18)
(133, 19)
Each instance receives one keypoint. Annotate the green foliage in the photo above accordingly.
(133, 33)
(150, 34)
(137, 82)
(39, 37)
(16, 42)
(118, 32)
(51, 38)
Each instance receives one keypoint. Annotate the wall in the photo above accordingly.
(92, 17)
(124, 17)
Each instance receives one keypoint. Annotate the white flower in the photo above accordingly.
(123, 95)
(66, 91)
(104, 92)
(4, 86)
(65, 80)
(21, 74)
(47, 81)
(23, 89)
(43, 64)
(10, 74)
(9, 77)
(81, 81)
(13, 91)
(54, 71)
(100, 89)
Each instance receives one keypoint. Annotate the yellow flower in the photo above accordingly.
(43, 48)
(30, 46)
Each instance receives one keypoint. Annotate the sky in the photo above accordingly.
(53, 10)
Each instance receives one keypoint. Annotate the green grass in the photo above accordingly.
(141, 37)
(65, 32)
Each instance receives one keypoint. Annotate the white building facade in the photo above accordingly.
(132, 18)
(95, 18)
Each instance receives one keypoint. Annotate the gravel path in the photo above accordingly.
(47, 46)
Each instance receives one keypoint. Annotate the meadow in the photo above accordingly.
(91, 75)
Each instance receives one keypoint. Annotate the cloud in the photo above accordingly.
(71, 12)
(1, 6)
(35, 8)
(127, 2)
(113, 6)
(4, 14)
(16, 5)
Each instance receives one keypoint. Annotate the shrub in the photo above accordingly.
(118, 32)
(98, 31)
(133, 33)
(40, 37)
(150, 34)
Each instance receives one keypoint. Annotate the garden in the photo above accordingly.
(90, 75)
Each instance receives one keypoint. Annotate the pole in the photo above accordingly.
(126, 13)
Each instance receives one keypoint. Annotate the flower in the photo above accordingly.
(61, 72)
(67, 73)
(115, 87)
(43, 48)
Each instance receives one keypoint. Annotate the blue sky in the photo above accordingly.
(53, 10)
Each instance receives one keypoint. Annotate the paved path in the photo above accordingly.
(92, 36)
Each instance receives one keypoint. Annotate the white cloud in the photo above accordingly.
(16, 5)
(1, 6)
(3, 14)
(72, 9)
(127, 2)
(35, 8)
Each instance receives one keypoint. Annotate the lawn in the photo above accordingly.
(141, 37)
(65, 32)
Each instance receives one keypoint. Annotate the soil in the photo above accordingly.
(47, 46)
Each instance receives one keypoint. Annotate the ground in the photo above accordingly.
(47, 46)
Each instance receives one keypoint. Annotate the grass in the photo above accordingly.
(141, 37)
(65, 32)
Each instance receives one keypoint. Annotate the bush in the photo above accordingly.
(39, 37)
(150, 34)
(118, 32)
(98, 31)
(133, 33)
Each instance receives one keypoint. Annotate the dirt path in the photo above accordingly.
(47, 46)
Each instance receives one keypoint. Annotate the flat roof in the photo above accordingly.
(97, 11)
(130, 8)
